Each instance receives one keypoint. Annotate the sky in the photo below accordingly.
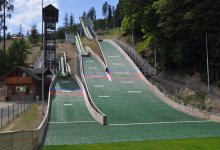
(28, 12)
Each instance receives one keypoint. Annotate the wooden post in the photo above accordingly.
(207, 61)
(13, 111)
(21, 106)
(8, 113)
(2, 117)
(17, 109)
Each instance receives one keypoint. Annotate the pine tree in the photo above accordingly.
(71, 24)
(109, 14)
(84, 15)
(105, 10)
(92, 14)
(7, 7)
(66, 21)
(34, 34)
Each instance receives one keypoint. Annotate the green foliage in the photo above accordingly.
(72, 24)
(100, 24)
(34, 37)
(17, 52)
(192, 144)
(125, 27)
(145, 44)
(179, 28)
(60, 34)
(105, 9)
(119, 14)
(16, 56)
(198, 97)
(109, 18)
(66, 21)
(92, 14)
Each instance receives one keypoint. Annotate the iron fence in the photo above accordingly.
(9, 112)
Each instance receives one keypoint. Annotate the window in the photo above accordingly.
(24, 75)
(21, 89)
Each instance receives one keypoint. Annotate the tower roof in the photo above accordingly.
(52, 11)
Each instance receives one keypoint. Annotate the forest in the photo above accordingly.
(177, 29)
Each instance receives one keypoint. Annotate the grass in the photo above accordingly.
(186, 144)
(27, 120)
(110, 33)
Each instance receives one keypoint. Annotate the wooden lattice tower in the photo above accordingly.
(50, 18)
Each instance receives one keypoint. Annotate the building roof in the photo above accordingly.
(50, 9)
(26, 70)
(38, 71)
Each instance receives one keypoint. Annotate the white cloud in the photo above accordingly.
(27, 13)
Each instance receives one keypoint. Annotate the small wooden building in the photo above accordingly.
(23, 83)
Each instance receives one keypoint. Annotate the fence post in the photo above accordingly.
(17, 108)
(21, 106)
(24, 105)
(13, 111)
(8, 113)
(1, 117)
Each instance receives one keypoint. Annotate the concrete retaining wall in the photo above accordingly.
(94, 111)
(188, 110)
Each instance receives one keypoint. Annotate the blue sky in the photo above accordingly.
(28, 12)
(77, 7)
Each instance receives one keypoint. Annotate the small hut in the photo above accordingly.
(23, 83)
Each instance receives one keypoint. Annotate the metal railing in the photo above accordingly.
(70, 38)
(142, 64)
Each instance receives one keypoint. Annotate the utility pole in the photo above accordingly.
(132, 32)
(42, 101)
(155, 55)
(20, 29)
(113, 15)
(207, 60)
(4, 28)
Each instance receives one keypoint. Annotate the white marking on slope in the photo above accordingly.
(95, 76)
(154, 123)
(122, 73)
(113, 56)
(67, 104)
(93, 68)
(109, 77)
(66, 91)
(104, 96)
(118, 64)
(98, 86)
(90, 61)
(128, 82)
(134, 91)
